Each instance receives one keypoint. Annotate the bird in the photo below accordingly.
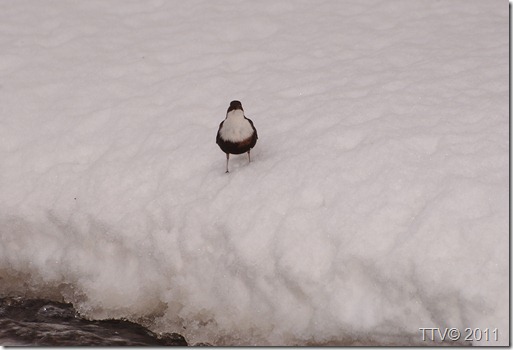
(236, 134)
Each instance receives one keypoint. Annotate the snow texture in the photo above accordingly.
(376, 201)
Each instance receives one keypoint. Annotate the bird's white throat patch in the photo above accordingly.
(235, 127)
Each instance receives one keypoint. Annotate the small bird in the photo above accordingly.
(236, 134)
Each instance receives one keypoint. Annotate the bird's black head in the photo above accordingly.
(234, 105)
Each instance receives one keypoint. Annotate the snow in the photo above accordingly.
(376, 202)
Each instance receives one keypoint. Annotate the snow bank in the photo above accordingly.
(376, 202)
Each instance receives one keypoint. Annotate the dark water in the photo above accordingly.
(44, 322)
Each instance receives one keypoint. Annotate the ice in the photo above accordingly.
(376, 202)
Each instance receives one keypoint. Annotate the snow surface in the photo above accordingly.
(376, 201)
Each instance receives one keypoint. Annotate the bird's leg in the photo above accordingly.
(227, 159)
(249, 157)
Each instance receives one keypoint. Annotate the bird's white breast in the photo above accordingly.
(235, 127)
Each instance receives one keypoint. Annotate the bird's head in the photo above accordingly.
(235, 105)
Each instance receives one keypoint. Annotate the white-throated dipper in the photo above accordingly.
(236, 134)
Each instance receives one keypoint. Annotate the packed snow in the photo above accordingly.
(375, 203)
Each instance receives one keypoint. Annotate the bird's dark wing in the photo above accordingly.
(218, 137)
(254, 129)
